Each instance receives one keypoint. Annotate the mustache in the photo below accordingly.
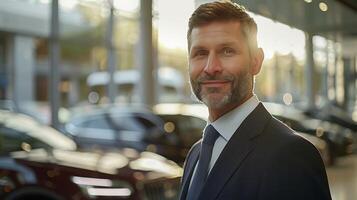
(203, 78)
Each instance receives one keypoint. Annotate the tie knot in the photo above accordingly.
(210, 136)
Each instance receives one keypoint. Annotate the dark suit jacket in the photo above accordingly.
(264, 159)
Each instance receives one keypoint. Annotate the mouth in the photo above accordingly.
(214, 83)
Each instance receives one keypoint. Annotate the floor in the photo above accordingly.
(343, 178)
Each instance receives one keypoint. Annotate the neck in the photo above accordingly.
(215, 113)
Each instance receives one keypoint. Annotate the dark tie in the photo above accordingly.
(201, 173)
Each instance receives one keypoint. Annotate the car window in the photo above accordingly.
(196, 125)
(147, 124)
(187, 128)
(112, 122)
(123, 122)
(191, 129)
(131, 126)
(93, 122)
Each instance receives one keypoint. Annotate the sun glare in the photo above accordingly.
(172, 22)
(275, 37)
(127, 5)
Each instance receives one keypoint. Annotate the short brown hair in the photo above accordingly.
(222, 11)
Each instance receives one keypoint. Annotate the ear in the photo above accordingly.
(257, 60)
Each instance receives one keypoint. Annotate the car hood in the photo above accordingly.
(149, 163)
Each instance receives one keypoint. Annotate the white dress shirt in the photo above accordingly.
(226, 125)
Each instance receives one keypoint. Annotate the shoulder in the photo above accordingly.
(293, 161)
(281, 132)
(195, 149)
(283, 141)
(190, 160)
(292, 150)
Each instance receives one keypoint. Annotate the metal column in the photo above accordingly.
(147, 77)
(111, 63)
(324, 75)
(309, 71)
(9, 68)
(54, 76)
(24, 66)
(21, 71)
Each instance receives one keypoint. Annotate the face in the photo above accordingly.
(221, 67)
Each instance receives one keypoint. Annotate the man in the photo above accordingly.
(245, 153)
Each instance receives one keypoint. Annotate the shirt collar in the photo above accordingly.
(227, 124)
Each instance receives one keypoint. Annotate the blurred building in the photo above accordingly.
(24, 64)
(325, 75)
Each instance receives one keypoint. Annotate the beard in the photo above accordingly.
(240, 88)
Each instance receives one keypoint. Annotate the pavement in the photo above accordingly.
(343, 178)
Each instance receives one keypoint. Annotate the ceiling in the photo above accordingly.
(340, 18)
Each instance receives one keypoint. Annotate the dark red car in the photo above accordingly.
(37, 162)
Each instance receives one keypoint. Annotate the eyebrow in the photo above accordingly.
(229, 44)
(199, 47)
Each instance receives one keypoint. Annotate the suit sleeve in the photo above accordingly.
(296, 172)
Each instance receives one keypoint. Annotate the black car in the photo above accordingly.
(339, 140)
(333, 114)
(38, 162)
(185, 122)
(188, 120)
(169, 129)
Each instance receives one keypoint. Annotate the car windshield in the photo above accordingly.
(115, 124)
(127, 121)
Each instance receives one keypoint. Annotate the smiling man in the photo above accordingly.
(245, 153)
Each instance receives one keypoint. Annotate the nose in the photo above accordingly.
(213, 65)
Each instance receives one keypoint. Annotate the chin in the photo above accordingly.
(216, 102)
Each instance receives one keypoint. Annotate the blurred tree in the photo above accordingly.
(79, 47)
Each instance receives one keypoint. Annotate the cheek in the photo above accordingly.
(237, 66)
(194, 70)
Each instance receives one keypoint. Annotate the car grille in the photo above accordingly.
(167, 189)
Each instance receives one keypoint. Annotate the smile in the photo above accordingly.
(214, 83)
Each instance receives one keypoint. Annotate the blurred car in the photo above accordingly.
(335, 115)
(183, 121)
(338, 140)
(188, 120)
(112, 127)
(38, 162)
(169, 129)
(170, 85)
(7, 105)
(40, 111)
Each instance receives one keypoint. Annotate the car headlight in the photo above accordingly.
(6, 185)
(95, 187)
(320, 132)
(112, 192)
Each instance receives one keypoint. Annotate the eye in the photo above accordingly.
(200, 53)
(228, 51)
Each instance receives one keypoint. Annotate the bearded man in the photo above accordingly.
(245, 153)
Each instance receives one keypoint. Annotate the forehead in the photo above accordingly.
(216, 32)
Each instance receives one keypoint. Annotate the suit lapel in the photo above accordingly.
(234, 153)
(189, 168)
